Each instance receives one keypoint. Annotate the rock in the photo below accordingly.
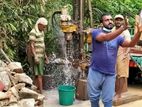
(22, 77)
(28, 93)
(4, 102)
(4, 78)
(15, 66)
(27, 102)
(3, 96)
(18, 87)
(1, 86)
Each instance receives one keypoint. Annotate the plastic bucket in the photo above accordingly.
(66, 94)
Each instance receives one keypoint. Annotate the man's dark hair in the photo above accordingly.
(104, 14)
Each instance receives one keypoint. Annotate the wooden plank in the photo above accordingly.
(126, 98)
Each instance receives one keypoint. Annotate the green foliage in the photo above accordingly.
(17, 18)
(125, 7)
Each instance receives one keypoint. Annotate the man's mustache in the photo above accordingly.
(110, 24)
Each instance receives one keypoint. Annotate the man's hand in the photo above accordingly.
(36, 59)
(46, 59)
(139, 27)
(126, 23)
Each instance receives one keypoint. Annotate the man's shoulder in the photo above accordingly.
(33, 31)
(96, 30)
(32, 35)
(126, 33)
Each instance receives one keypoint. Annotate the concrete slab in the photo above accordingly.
(128, 99)
(52, 100)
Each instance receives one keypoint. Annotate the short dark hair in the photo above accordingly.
(104, 14)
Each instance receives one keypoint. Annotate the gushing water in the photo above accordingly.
(62, 43)
(67, 64)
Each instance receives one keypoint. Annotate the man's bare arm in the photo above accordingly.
(133, 42)
(109, 36)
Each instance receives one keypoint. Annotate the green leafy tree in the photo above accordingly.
(17, 18)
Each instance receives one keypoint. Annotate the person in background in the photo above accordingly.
(36, 40)
(105, 44)
(122, 64)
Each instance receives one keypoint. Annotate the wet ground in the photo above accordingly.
(52, 100)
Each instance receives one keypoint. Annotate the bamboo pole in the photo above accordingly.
(75, 10)
(81, 24)
(3, 53)
(90, 13)
(81, 14)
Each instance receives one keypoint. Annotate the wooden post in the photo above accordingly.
(90, 13)
(81, 24)
(75, 10)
